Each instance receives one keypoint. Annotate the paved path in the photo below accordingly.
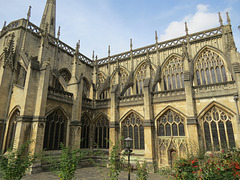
(89, 173)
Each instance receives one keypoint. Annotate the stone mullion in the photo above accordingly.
(225, 130)
(211, 136)
(219, 137)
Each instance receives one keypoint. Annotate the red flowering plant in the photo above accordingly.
(218, 166)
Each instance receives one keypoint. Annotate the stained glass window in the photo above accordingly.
(171, 72)
(133, 127)
(171, 124)
(210, 60)
(55, 130)
(218, 129)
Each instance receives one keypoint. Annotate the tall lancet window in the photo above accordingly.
(173, 77)
(210, 68)
(55, 130)
(11, 129)
(133, 126)
(85, 131)
(140, 77)
(101, 127)
(218, 129)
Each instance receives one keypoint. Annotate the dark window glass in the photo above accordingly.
(218, 75)
(174, 82)
(136, 138)
(165, 83)
(141, 137)
(178, 82)
(222, 135)
(207, 136)
(230, 134)
(174, 129)
(203, 77)
(198, 78)
(161, 130)
(224, 75)
(215, 135)
(213, 75)
(208, 76)
(181, 130)
(168, 130)
(169, 83)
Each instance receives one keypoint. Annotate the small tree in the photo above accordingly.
(115, 162)
(142, 171)
(14, 164)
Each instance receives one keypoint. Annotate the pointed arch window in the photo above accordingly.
(218, 129)
(133, 126)
(101, 130)
(55, 130)
(85, 132)
(171, 124)
(173, 74)
(212, 68)
(12, 129)
(140, 78)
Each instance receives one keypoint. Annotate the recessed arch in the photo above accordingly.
(169, 108)
(99, 114)
(55, 129)
(129, 112)
(172, 72)
(67, 114)
(216, 124)
(210, 67)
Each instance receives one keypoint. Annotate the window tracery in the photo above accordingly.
(55, 130)
(102, 133)
(12, 129)
(173, 77)
(85, 132)
(140, 78)
(123, 80)
(133, 126)
(210, 68)
(101, 80)
(218, 129)
(171, 124)
(65, 75)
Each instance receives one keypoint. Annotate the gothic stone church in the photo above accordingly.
(169, 97)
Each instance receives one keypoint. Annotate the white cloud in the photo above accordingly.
(201, 20)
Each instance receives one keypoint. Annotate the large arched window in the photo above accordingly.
(85, 132)
(11, 129)
(173, 77)
(218, 129)
(171, 124)
(55, 130)
(210, 68)
(133, 126)
(101, 138)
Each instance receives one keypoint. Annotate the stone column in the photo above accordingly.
(114, 119)
(148, 123)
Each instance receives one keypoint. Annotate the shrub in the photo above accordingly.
(142, 171)
(14, 164)
(219, 166)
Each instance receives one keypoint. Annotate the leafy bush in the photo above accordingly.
(142, 171)
(217, 166)
(14, 164)
(115, 162)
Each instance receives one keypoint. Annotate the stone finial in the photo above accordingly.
(58, 33)
(131, 44)
(109, 50)
(29, 13)
(96, 58)
(93, 56)
(77, 47)
(228, 19)
(220, 19)
(4, 25)
(186, 28)
(156, 37)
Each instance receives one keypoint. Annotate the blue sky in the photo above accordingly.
(99, 23)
